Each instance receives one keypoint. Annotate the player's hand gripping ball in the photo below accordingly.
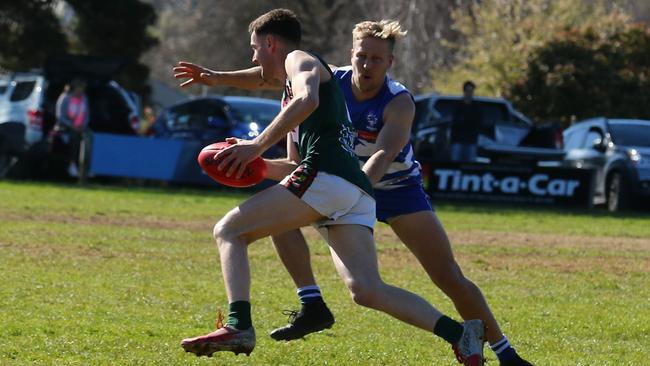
(254, 173)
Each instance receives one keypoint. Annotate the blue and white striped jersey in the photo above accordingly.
(367, 117)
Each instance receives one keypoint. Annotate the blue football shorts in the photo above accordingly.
(401, 201)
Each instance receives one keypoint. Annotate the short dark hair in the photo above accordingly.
(470, 84)
(279, 22)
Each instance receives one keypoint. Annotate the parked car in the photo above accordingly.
(27, 108)
(213, 118)
(205, 120)
(619, 151)
(506, 135)
(21, 120)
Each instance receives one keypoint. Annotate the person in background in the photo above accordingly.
(465, 126)
(147, 121)
(72, 114)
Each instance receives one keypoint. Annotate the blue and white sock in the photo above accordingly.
(309, 294)
(503, 349)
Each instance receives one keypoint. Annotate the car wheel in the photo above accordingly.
(618, 196)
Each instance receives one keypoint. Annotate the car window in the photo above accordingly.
(108, 110)
(196, 115)
(520, 122)
(423, 115)
(494, 113)
(491, 112)
(260, 113)
(3, 87)
(573, 139)
(22, 90)
(630, 134)
(592, 136)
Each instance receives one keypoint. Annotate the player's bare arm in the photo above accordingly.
(398, 117)
(250, 78)
(304, 72)
(280, 168)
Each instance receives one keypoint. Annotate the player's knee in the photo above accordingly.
(455, 284)
(224, 231)
(364, 293)
(448, 277)
(219, 231)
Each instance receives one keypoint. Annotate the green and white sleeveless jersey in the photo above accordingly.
(325, 140)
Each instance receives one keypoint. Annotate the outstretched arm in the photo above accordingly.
(398, 117)
(243, 79)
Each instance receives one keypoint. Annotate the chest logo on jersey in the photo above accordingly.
(372, 121)
(369, 136)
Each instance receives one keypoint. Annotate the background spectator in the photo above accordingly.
(465, 126)
(72, 119)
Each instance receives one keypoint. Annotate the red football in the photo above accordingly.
(255, 170)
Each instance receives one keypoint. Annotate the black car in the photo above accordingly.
(505, 134)
(205, 120)
(213, 118)
(619, 151)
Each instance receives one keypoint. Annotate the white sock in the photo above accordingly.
(309, 294)
(500, 345)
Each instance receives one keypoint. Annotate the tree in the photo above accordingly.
(29, 32)
(587, 73)
(116, 28)
(499, 36)
(327, 26)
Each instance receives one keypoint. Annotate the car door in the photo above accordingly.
(595, 155)
(573, 142)
(584, 150)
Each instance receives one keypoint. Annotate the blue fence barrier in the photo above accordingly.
(147, 158)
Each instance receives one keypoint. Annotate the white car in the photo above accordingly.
(20, 100)
(27, 111)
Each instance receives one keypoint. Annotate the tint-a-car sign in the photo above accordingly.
(502, 183)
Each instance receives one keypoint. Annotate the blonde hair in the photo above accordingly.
(389, 30)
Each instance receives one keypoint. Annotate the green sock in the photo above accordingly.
(239, 316)
(448, 329)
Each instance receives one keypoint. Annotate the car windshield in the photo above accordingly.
(196, 115)
(249, 112)
(491, 112)
(630, 134)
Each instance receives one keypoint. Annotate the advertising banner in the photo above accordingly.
(511, 184)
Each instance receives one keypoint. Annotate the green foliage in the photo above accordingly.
(29, 32)
(587, 73)
(499, 36)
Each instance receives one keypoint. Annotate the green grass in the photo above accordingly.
(117, 276)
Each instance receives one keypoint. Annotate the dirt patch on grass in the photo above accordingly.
(113, 220)
(484, 249)
(550, 252)
(545, 240)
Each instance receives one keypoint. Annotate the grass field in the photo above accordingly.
(117, 276)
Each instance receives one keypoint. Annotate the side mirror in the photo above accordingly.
(599, 145)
